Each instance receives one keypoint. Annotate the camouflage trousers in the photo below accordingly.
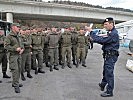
(26, 62)
(53, 54)
(66, 52)
(80, 55)
(15, 66)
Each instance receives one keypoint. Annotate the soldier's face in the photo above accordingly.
(81, 31)
(48, 30)
(22, 32)
(54, 29)
(28, 31)
(66, 29)
(39, 29)
(31, 31)
(15, 29)
(34, 30)
(72, 29)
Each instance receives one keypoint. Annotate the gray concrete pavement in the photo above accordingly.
(73, 84)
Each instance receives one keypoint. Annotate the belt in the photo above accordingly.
(110, 53)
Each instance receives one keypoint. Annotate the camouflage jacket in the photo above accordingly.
(12, 42)
(81, 41)
(26, 40)
(37, 41)
(74, 36)
(2, 37)
(66, 39)
(53, 40)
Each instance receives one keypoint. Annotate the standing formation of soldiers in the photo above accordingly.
(28, 48)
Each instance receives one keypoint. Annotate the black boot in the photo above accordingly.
(69, 66)
(5, 75)
(51, 68)
(17, 89)
(36, 71)
(40, 71)
(0, 81)
(77, 65)
(74, 63)
(22, 77)
(47, 65)
(29, 75)
(56, 68)
(33, 68)
(106, 94)
(63, 66)
(60, 63)
(84, 65)
(101, 86)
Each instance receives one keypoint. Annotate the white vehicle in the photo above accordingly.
(123, 28)
(125, 31)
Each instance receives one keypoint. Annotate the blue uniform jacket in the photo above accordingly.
(109, 43)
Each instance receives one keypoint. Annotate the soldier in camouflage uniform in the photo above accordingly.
(74, 46)
(37, 47)
(32, 31)
(45, 48)
(14, 46)
(52, 40)
(26, 56)
(88, 46)
(66, 43)
(3, 55)
(60, 47)
(82, 41)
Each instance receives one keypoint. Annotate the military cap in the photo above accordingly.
(15, 24)
(82, 27)
(34, 26)
(24, 28)
(66, 27)
(108, 19)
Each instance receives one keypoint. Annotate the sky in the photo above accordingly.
(127, 4)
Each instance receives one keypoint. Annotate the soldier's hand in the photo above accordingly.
(30, 46)
(18, 49)
(21, 51)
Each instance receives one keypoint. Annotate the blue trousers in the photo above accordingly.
(108, 73)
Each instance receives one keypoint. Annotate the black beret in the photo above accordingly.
(108, 19)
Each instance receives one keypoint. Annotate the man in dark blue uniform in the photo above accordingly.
(110, 46)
